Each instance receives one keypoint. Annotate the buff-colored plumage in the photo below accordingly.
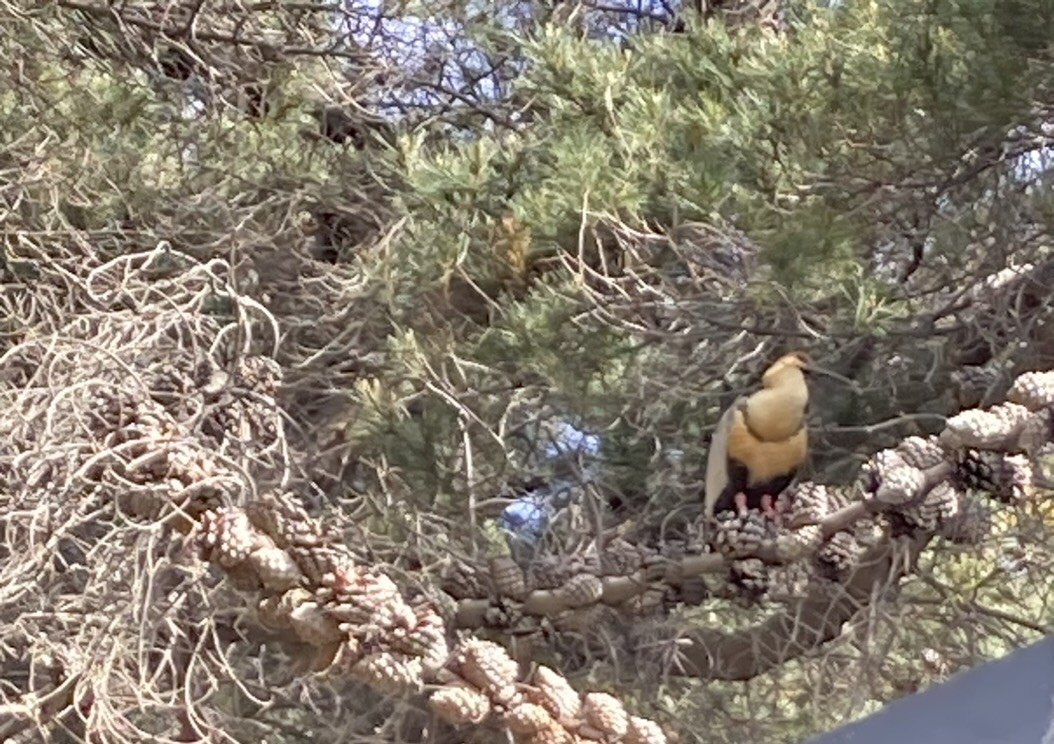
(761, 441)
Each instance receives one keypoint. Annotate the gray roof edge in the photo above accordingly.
(1005, 701)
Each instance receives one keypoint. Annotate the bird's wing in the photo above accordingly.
(717, 459)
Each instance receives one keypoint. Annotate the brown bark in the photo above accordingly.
(803, 626)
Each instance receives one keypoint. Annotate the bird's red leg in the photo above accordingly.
(768, 508)
(741, 503)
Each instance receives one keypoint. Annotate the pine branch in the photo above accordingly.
(175, 436)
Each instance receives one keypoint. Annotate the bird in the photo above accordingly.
(762, 441)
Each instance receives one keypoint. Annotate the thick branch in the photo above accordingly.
(802, 626)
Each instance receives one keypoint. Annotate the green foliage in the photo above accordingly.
(511, 267)
(971, 63)
(789, 137)
(737, 123)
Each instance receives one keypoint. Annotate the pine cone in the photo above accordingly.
(317, 563)
(894, 480)
(526, 719)
(790, 579)
(805, 503)
(460, 705)
(1006, 478)
(284, 520)
(643, 731)
(605, 713)
(554, 693)
(922, 453)
(463, 582)
(741, 536)
(548, 573)
(258, 373)
(227, 537)
(647, 603)
(620, 558)
(870, 531)
(554, 733)
(1037, 431)
(973, 382)
(111, 411)
(508, 578)
(838, 556)
(427, 640)
(1033, 390)
(394, 674)
(167, 384)
(581, 590)
(840, 498)
(990, 429)
(276, 569)
(942, 502)
(978, 469)
(366, 598)
(751, 576)
(489, 667)
(690, 591)
(797, 543)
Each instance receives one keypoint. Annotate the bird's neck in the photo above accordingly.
(778, 412)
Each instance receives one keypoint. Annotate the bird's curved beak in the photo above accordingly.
(832, 374)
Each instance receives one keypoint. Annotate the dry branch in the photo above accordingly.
(127, 429)
(126, 423)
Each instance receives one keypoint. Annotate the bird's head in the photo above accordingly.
(794, 364)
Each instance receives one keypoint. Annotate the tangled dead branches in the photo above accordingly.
(152, 415)
(128, 412)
